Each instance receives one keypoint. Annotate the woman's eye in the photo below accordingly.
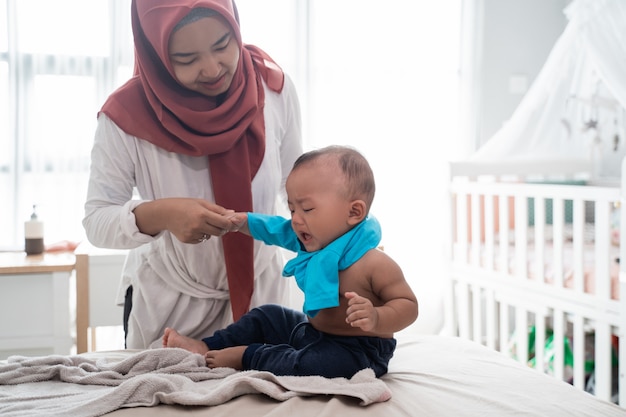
(223, 44)
(183, 63)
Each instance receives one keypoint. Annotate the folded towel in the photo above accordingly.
(80, 386)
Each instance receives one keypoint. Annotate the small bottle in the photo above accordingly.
(33, 235)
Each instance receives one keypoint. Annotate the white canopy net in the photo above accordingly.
(576, 106)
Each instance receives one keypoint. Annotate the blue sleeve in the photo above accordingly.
(273, 230)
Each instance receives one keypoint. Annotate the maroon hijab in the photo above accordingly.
(153, 106)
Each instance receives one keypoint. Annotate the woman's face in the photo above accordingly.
(204, 55)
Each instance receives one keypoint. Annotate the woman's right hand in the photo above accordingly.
(191, 220)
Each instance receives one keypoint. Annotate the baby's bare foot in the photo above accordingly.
(173, 339)
(226, 358)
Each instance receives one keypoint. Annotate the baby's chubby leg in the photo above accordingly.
(173, 339)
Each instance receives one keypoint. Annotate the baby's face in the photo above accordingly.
(319, 207)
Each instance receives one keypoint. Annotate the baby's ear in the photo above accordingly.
(358, 211)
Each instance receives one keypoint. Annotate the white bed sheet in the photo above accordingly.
(428, 376)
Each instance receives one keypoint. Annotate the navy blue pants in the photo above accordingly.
(282, 341)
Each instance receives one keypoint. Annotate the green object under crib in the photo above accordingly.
(568, 358)
(549, 352)
(568, 354)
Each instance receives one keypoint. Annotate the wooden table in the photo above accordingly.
(35, 303)
(20, 263)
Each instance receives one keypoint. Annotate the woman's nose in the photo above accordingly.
(210, 67)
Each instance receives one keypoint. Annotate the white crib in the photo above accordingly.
(534, 254)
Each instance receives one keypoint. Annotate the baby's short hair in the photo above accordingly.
(359, 176)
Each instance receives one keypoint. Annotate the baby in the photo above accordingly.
(355, 295)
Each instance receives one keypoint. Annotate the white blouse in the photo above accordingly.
(175, 284)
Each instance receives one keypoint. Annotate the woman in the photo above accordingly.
(207, 125)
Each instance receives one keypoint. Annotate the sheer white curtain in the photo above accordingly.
(58, 61)
(380, 76)
(602, 27)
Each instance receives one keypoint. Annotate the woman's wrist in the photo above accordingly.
(150, 218)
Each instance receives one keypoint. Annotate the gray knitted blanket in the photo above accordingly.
(84, 386)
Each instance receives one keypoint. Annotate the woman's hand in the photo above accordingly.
(191, 220)
(239, 222)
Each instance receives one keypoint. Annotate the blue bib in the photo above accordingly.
(317, 273)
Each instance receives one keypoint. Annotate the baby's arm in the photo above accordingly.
(399, 307)
(270, 229)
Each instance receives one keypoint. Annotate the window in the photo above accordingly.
(58, 61)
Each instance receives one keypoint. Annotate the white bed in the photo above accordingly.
(556, 277)
(428, 376)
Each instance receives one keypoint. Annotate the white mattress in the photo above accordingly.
(428, 376)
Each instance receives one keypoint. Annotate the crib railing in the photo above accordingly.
(502, 296)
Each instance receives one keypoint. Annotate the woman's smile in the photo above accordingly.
(213, 85)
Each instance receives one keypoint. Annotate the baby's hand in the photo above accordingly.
(361, 312)
(237, 221)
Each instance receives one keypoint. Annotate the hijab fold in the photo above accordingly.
(154, 107)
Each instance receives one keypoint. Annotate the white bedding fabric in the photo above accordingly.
(55, 385)
(428, 376)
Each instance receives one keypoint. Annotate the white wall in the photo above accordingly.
(517, 37)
